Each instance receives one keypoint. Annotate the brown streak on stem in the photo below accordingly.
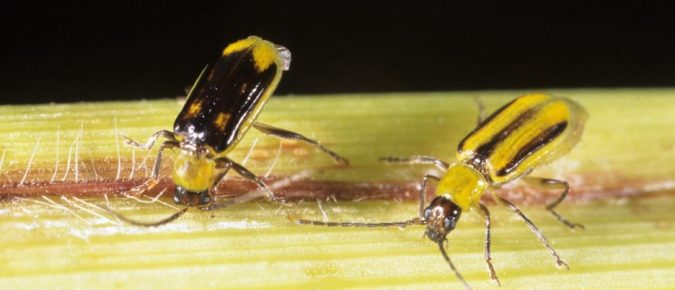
(324, 190)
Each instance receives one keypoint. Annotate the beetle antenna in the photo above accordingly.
(146, 224)
(400, 224)
(452, 266)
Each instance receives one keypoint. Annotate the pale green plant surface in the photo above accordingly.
(67, 242)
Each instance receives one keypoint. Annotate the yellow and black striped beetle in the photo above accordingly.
(221, 107)
(527, 132)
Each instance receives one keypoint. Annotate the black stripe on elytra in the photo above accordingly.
(535, 144)
(233, 87)
(485, 122)
(488, 147)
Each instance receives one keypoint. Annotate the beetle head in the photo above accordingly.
(441, 216)
(190, 198)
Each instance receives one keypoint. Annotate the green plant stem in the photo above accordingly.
(67, 241)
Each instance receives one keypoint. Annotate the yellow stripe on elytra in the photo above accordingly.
(264, 53)
(545, 116)
(501, 121)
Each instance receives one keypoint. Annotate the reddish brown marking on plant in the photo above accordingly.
(300, 152)
(289, 144)
(295, 148)
(261, 154)
(87, 188)
(663, 225)
(323, 190)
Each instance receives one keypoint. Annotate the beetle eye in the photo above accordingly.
(178, 195)
(204, 197)
(449, 223)
(427, 214)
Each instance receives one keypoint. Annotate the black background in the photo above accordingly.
(107, 51)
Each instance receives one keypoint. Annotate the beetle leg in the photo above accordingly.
(534, 229)
(417, 159)
(245, 173)
(548, 183)
(285, 134)
(488, 257)
(154, 177)
(169, 144)
(452, 266)
(278, 184)
(225, 168)
(400, 224)
(221, 176)
(146, 224)
(423, 193)
(151, 141)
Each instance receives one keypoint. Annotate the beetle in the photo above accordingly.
(530, 131)
(221, 107)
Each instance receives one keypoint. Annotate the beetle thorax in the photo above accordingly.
(194, 172)
(462, 184)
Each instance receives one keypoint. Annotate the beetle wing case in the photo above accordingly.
(228, 96)
(530, 131)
